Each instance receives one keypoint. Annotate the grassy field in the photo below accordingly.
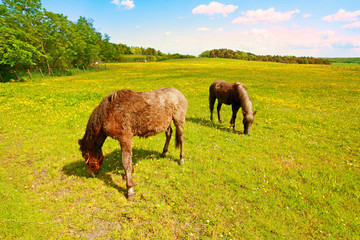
(348, 61)
(297, 176)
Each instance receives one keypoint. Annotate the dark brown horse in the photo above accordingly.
(236, 95)
(125, 114)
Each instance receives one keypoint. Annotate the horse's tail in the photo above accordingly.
(177, 138)
(211, 96)
(179, 119)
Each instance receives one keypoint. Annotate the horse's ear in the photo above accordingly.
(254, 113)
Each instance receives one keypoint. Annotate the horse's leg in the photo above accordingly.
(235, 109)
(126, 157)
(212, 100)
(218, 111)
(168, 133)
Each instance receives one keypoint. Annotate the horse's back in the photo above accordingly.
(173, 95)
(177, 102)
(223, 91)
(148, 113)
(156, 98)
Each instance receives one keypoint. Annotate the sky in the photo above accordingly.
(326, 28)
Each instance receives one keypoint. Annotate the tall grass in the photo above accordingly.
(296, 176)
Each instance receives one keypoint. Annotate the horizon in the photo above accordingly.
(192, 27)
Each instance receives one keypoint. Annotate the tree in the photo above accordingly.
(150, 51)
(136, 50)
(56, 38)
(122, 49)
(107, 50)
(19, 31)
(229, 53)
(86, 39)
(205, 54)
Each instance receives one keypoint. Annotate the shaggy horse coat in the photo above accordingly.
(125, 114)
(236, 95)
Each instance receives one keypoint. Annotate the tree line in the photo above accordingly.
(33, 38)
(228, 53)
(124, 52)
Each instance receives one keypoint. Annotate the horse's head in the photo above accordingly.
(92, 158)
(247, 121)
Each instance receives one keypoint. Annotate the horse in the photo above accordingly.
(124, 114)
(236, 95)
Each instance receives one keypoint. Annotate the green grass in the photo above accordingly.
(137, 58)
(352, 61)
(295, 177)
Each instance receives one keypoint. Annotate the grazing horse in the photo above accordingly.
(233, 94)
(125, 114)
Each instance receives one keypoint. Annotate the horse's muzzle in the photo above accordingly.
(247, 128)
(94, 167)
(92, 172)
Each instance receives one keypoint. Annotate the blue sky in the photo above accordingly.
(328, 28)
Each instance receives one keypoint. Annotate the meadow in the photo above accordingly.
(296, 176)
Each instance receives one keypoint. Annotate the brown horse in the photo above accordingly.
(233, 94)
(124, 114)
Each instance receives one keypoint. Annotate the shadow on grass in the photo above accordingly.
(111, 165)
(203, 122)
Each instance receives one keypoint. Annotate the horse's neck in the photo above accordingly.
(247, 107)
(94, 141)
(245, 102)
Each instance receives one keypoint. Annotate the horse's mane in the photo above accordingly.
(94, 124)
(244, 97)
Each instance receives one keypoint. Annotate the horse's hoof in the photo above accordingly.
(131, 198)
(131, 194)
(181, 162)
(163, 155)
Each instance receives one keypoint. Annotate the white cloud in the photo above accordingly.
(306, 15)
(300, 39)
(203, 29)
(280, 41)
(258, 40)
(214, 7)
(128, 3)
(219, 29)
(258, 34)
(342, 15)
(265, 16)
(352, 25)
(168, 33)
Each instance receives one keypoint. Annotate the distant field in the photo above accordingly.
(137, 58)
(345, 60)
(295, 177)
